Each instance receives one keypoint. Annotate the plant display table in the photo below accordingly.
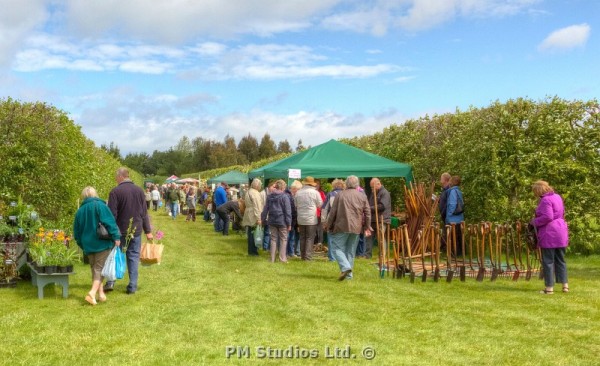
(42, 279)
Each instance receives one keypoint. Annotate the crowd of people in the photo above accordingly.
(287, 221)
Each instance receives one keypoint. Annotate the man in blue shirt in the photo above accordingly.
(219, 198)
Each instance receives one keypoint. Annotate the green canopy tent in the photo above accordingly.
(231, 177)
(335, 159)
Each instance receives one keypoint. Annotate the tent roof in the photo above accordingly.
(231, 177)
(334, 159)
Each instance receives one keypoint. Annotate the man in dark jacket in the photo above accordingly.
(384, 211)
(127, 203)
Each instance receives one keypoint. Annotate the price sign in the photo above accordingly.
(294, 173)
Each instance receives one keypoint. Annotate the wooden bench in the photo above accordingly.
(42, 279)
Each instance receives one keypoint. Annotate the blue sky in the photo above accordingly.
(144, 73)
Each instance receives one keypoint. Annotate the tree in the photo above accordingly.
(248, 147)
(300, 147)
(112, 150)
(267, 147)
(284, 147)
(139, 162)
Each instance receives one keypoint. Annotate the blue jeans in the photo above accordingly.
(329, 251)
(133, 262)
(267, 238)
(291, 242)
(343, 246)
(360, 248)
(174, 209)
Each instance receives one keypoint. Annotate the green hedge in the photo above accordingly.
(500, 150)
(46, 160)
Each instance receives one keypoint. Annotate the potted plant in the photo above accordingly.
(68, 257)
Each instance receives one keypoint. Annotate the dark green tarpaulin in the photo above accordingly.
(231, 177)
(334, 159)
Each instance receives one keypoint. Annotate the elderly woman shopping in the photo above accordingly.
(553, 235)
(92, 211)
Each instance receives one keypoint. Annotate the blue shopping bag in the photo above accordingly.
(120, 264)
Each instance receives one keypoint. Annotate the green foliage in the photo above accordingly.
(500, 150)
(46, 160)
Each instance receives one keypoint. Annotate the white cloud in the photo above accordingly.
(184, 21)
(566, 38)
(379, 16)
(148, 123)
(17, 19)
(205, 61)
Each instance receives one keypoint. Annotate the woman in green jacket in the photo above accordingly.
(92, 210)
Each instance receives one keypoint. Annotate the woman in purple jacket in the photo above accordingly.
(553, 235)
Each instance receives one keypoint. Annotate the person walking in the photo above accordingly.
(173, 196)
(127, 204)
(92, 211)
(155, 198)
(383, 202)
(148, 196)
(307, 201)
(552, 234)
(254, 207)
(293, 235)
(338, 185)
(278, 215)
(350, 216)
(190, 201)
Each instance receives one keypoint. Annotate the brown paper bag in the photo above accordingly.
(151, 253)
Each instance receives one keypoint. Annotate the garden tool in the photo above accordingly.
(517, 272)
(436, 274)
(409, 253)
(472, 232)
(401, 245)
(382, 248)
(394, 241)
(420, 237)
(527, 253)
(387, 246)
(449, 271)
(463, 269)
(492, 254)
(480, 252)
(539, 251)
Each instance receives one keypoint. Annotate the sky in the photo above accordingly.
(144, 73)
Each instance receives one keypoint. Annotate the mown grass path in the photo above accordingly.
(208, 295)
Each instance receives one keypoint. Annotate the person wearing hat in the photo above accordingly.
(307, 200)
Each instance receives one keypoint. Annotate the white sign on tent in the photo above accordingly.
(294, 173)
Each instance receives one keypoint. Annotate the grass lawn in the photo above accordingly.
(208, 295)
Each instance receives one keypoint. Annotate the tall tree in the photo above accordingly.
(112, 150)
(300, 147)
(248, 147)
(284, 147)
(267, 147)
